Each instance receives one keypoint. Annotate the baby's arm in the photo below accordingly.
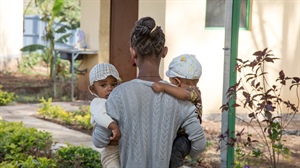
(102, 119)
(191, 93)
(100, 116)
(175, 91)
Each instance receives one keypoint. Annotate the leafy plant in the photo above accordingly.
(269, 114)
(78, 156)
(6, 97)
(41, 162)
(80, 117)
(30, 60)
(30, 148)
(51, 10)
(18, 142)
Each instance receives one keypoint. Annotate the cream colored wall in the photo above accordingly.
(186, 33)
(95, 22)
(89, 22)
(156, 10)
(11, 33)
(274, 25)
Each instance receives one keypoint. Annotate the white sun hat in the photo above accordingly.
(185, 66)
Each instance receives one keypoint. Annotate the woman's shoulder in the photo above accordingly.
(134, 83)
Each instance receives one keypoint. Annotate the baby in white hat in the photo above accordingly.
(184, 72)
(104, 78)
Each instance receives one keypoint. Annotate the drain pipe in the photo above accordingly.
(232, 20)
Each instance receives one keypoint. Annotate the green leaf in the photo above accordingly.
(57, 7)
(63, 39)
(256, 153)
(62, 29)
(33, 47)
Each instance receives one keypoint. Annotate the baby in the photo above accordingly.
(184, 72)
(104, 78)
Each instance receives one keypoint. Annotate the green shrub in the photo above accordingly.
(47, 110)
(6, 97)
(28, 148)
(30, 162)
(78, 156)
(9, 164)
(81, 117)
(18, 142)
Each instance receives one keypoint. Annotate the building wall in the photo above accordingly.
(108, 28)
(273, 24)
(90, 24)
(156, 10)
(11, 33)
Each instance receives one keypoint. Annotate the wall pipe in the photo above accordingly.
(232, 18)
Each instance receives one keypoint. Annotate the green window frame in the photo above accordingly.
(215, 14)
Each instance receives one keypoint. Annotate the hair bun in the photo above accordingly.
(142, 30)
(147, 38)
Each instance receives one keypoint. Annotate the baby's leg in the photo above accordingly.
(181, 148)
(110, 157)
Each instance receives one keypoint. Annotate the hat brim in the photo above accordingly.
(169, 74)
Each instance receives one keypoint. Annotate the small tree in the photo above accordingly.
(268, 113)
(50, 10)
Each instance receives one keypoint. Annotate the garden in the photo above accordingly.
(267, 135)
(271, 142)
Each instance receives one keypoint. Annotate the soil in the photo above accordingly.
(35, 85)
(17, 82)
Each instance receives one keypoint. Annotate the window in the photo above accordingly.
(215, 13)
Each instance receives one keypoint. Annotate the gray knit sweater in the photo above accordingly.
(149, 122)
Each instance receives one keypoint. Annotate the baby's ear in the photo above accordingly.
(92, 88)
(178, 82)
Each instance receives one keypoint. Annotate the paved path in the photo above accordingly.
(61, 134)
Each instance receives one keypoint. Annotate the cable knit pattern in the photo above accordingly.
(149, 122)
(155, 126)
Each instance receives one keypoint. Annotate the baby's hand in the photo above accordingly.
(116, 133)
(158, 87)
(113, 143)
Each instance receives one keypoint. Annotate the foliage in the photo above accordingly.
(30, 148)
(30, 60)
(33, 9)
(78, 156)
(17, 142)
(80, 117)
(30, 162)
(6, 97)
(49, 11)
(266, 109)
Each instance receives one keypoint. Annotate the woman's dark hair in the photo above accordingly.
(147, 38)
